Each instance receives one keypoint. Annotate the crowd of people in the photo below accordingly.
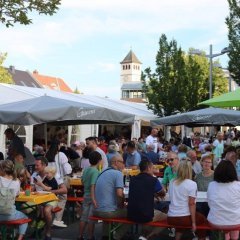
(190, 165)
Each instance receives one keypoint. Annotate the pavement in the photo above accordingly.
(71, 233)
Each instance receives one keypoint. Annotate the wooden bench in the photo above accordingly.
(56, 209)
(71, 202)
(160, 224)
(5, 225)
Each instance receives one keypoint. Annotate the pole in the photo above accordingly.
(210, 71)
(230, 83)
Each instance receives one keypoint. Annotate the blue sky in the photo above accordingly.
(85, 41)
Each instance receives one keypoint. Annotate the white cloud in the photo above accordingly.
(111, 92)
(80, 19)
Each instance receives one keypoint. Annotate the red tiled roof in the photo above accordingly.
(52, 82)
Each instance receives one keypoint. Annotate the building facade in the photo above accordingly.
(130, 74)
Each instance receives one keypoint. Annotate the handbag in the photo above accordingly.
(7, 199)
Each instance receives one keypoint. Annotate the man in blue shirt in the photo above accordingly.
(133, 157)
(151, 155)
(110, 197)
(142, 190)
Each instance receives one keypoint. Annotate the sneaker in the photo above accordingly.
(33, 224)
(172, 233)
(142, 238)
(40, 224)
(59, 224)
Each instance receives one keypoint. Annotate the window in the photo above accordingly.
(128, 66)
(125, 94)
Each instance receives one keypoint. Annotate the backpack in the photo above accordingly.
(7, 199)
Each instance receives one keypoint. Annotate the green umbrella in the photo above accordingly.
(231, 99)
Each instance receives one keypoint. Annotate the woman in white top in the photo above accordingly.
(8, 180)
(182, 195)
(223, 199)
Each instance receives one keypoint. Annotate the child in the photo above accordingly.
(18, 161)
(49, 182)
(89, 179)
(24, 178)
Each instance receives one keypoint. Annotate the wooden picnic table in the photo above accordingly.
(37, 197)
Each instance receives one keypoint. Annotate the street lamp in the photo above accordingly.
(211, 56)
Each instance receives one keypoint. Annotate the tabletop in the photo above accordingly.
(37, 197)
(201, 196)
(75, 181)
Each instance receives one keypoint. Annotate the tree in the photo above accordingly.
(220, 85)
(17, 11)
(77, 91)
(5, 76)
(233, 23)
(180, 80)
(164, 88)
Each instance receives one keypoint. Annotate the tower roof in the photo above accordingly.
(130, 58)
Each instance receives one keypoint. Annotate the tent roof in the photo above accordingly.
(202, 117)
(231, 99)
(12, 93)
(46, 109)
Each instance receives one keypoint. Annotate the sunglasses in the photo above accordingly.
(186, 159)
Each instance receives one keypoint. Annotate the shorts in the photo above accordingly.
(87, 209)
(52, 203)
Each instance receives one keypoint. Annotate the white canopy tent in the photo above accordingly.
(13, 93)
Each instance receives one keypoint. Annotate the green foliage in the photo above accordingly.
(77, 91)
(233, 23)
(180, 80)
(17, 11)
(220, 85)
(5, 76)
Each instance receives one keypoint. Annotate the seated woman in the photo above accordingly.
(203, 179)
(8, 180)
(223, 199)
(182, 195)
(19, 164)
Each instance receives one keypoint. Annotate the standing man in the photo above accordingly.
(152, 139)
(91, 143)
(16, 145)
(133, 157)
(109, 195)
(142, 190)
(218, 148)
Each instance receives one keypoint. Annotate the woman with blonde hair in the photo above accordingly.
(8, 180)
(182, 195)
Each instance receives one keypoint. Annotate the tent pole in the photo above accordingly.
(45, 136)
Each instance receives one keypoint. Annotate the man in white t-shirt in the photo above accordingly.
(152, 139)
(218, 147)
(91, 143)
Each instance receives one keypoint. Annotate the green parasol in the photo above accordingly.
(231, 99)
